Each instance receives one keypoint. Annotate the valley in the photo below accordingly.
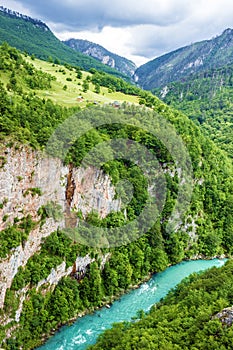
(84, 151)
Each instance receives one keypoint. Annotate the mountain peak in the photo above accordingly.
(34, 37)
(183, 62)
(227, 32)
(106, 57)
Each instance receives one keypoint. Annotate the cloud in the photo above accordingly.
(207, 18)
(138, 30)
(86, 14)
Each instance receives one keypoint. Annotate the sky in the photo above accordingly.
(137, 29)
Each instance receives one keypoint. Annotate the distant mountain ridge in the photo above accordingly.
(98, 52)
(35, 37)
(176, 65)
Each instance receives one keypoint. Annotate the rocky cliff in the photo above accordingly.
(30, 181)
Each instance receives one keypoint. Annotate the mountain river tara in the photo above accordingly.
(85, 330)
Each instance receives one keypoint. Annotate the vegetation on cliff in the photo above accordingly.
(205, 229)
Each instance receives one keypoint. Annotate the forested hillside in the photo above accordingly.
(28, 120)
(194, 58)
(206, 98)
(196, 315)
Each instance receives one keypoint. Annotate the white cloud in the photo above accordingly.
(116, 40)
(139, 30)
(91, 13)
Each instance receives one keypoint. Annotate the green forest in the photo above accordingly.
(206, 98)
(27, 119)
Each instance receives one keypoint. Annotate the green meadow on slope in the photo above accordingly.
(64, 83)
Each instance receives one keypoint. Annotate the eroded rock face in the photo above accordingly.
(24, 172)
(93, 190)
(30, 180)
(20, 256)
(79, 269)
(80, 265)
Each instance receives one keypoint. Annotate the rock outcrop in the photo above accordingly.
(98, 52)
(225, 316)
(28, 181)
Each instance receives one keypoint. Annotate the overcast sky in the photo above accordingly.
(137, 29)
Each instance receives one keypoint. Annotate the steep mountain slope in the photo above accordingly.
(98, 52)
(33, 36)
(206, 98)
(190, 59)
(47, 275)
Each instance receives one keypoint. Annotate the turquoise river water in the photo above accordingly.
(85, 330)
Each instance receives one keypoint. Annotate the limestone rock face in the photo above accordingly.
(30, 180)
(93, 190)
(98, 52)
(25, 170)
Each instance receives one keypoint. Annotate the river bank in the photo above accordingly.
(85, 330)
(106, 302)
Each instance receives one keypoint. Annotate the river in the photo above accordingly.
(85, 330)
